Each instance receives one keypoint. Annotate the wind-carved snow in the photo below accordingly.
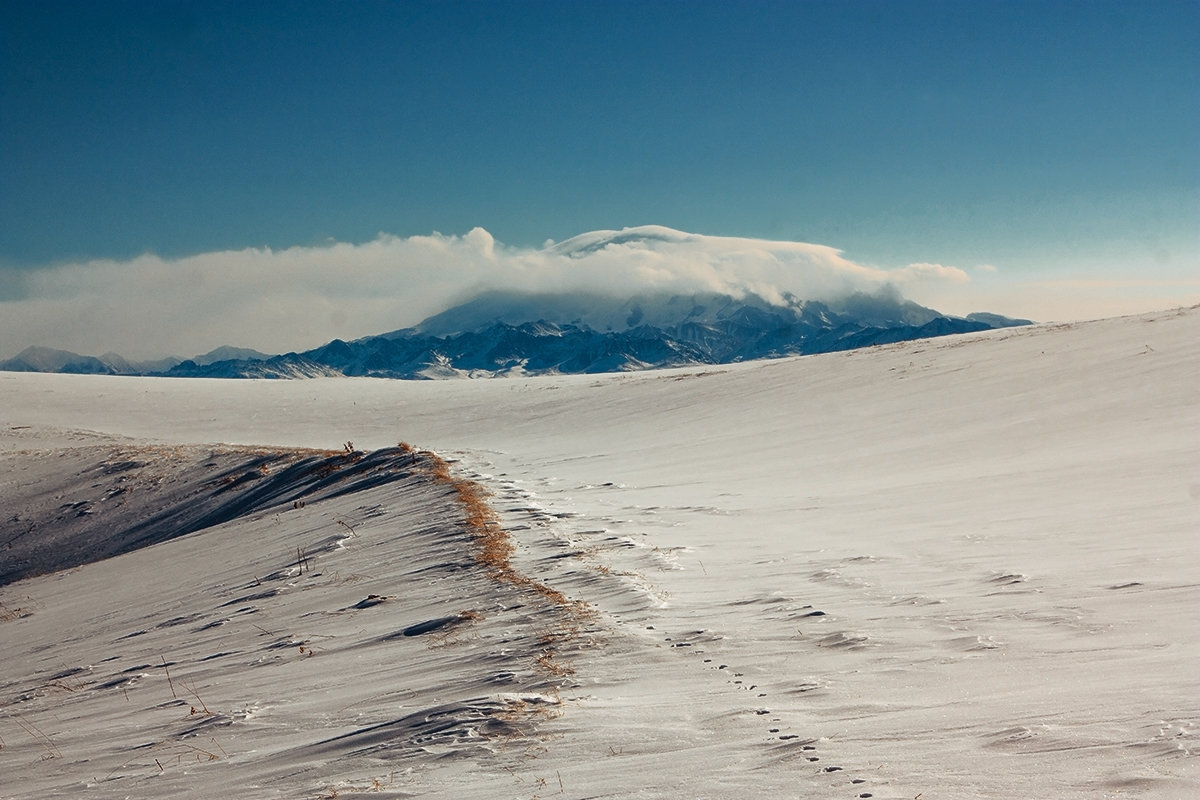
(955, 567)
(226, 651)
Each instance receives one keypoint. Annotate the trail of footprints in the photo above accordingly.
(692, 642)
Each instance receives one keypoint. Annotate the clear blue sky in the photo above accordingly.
(1032, 136)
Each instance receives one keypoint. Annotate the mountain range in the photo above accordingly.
(511, 333)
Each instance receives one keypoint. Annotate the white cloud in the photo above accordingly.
(301, 297)
(929, 273)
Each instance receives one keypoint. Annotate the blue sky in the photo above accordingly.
(1054, 144)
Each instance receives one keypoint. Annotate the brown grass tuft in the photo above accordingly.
(494, 550)
(9, 613)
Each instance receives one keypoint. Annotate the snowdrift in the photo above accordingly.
(963, 567)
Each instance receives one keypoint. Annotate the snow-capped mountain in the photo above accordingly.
(46, 359)
(744, 311)
(503, 333)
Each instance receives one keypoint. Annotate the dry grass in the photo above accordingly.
(49, 748)
(548, 662)
(9, 613)
(176, 753)
(376, 785)
(456, 633)
(494, 547)
(494, 551)
(518, 709)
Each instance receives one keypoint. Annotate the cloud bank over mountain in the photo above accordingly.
(279, 300)
(301, 297)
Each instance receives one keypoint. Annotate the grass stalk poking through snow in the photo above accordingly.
(170, 682)
(39, 736)
(8, 613)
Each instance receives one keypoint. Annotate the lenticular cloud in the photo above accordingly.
(300, 297)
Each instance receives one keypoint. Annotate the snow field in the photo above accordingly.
(963, 567)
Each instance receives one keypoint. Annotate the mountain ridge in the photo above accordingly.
(512, 333)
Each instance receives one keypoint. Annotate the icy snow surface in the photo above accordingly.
(963, 567)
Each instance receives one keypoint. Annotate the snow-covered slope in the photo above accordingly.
(962, 567)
